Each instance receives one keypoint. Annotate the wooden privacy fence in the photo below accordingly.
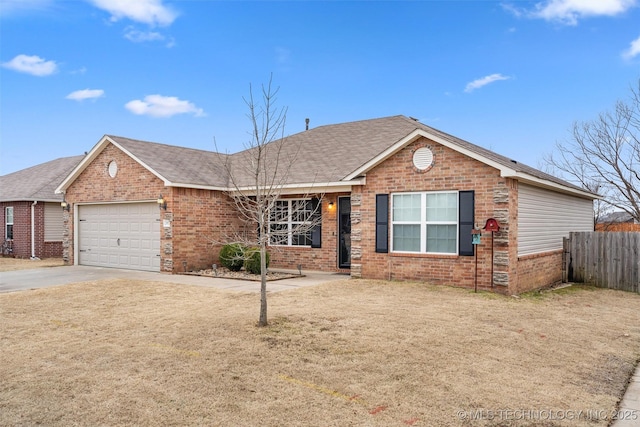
(608, 260)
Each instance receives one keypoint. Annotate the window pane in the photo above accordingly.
(406, 238)
(9, 232)
(278, 234)
(279, 212)
(300, 210)
(406, 207)
(301, 239)
(441, 238)
(287, 221)
(9, 215)
(442, 207)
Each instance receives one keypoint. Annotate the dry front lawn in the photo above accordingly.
(11, 264)
(350, 353)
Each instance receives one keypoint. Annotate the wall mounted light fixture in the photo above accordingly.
(65, 205)
(330, 205)
(162, 203)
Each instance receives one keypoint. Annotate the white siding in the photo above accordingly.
(545, 217)
(53, 222)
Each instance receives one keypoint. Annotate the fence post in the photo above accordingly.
(566, 256)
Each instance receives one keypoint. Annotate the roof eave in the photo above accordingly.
(538, 182)
(195, 186)
(413, 136)
(91, 156)
(505, 172)
(309, 187)
(32, 199)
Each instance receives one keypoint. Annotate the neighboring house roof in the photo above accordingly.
(616, 217)
(37, 183)
(331, 156)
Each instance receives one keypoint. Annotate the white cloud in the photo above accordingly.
(478, 83)
(16, 7)
(33, 65)
(633, 51)
(163, 106)
(570, 11)
(151, 12)
(517, 12)
(138, 36)
(81, 95)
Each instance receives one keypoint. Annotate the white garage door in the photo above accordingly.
(125, 235)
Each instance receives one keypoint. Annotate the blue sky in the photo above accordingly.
(511, 76)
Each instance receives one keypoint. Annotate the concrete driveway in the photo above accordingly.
(20, 280)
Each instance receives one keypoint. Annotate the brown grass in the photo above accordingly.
(350, 353)
(11, 264)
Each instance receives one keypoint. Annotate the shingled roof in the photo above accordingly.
(180, 166)
(330, 153)
(320, 155)
(326, 155)
(344, 151)
(505, 161)
(37, 183)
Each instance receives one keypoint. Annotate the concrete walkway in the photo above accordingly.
(629, 412)
(20, 280)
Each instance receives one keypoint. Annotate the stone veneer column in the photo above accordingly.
(501, 238)
(356, 233)
(67, 239)
(167, 243)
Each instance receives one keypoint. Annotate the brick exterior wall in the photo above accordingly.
(324, 258)
(451, 171)
(21, 227)
(94, 185)
(197, 222)
(197, 219)
(22, 231)
(201, 221)
(539, 270)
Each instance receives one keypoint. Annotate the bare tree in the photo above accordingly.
(257, 177)
(604, 156)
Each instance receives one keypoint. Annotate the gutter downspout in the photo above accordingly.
(33, 230)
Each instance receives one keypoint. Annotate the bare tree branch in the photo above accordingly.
(604, 157)
(257, 177)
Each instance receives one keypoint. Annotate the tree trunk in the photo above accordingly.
(263, 285)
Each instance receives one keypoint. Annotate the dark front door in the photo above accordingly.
(344, 232)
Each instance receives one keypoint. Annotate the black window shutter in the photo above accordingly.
(465, 222)
(382, 223)
(316, 231)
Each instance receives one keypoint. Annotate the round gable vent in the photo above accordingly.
(423, 158)
(113, 169)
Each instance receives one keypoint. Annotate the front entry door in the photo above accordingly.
(344, 232)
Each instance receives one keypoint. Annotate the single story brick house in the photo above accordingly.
(398, 200)
(30, 212)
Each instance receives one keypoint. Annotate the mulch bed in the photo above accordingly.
(225, 273)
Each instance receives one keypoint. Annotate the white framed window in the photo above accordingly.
(425, 222)
(8, 222)
(286, 220)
